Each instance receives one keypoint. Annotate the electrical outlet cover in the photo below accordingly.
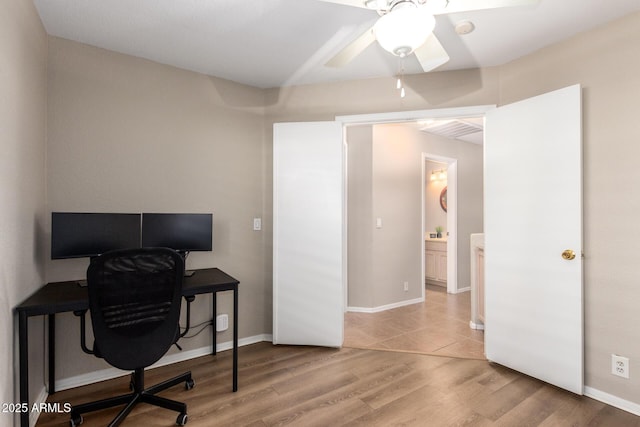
(222, 322)
(620, 366)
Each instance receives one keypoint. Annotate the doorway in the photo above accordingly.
(433, 321)
(318, 305)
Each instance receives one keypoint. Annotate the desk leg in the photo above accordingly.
(235, 339)
(23, 325)
(214, 310)
(52, 353)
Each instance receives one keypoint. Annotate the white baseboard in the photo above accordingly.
(476, 326)
(109, 373)
(42, 398)
(612, 400)
(384, 307)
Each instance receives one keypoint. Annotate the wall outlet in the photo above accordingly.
(222, 322)
(257, 224)
(406, 286)
(620, 366)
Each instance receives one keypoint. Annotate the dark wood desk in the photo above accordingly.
(62, 297)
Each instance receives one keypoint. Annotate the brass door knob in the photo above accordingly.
(568, 255)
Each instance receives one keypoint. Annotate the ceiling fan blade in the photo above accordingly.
(352, 50)
(431, 54)
(455, 6)
(354, 3)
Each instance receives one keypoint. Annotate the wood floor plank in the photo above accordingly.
(307, 386)
(610, 416)
(326, 410)
(534, 409)
(574, 411)
(498, 403)
(414, 377)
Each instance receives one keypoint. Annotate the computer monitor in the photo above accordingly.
(77, 235)
(183, 232)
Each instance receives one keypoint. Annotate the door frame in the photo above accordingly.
(452, 219)
(412, 116)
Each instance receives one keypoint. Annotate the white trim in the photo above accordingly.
(405, 116)
(423, 201)
(476, 326)
(385, 307)
(34, 415)
(612, 400)
(345, 226)
(110, 373)
(476, 244)
(452, 227)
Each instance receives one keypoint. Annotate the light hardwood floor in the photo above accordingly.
(438, 326)
(307, 386)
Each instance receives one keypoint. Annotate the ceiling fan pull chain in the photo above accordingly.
(399, 83)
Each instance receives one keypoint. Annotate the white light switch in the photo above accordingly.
(378, 222)
(257, 224)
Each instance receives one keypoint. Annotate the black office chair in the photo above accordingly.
(134, 299)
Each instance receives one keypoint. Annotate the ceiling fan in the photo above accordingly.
(406, 27)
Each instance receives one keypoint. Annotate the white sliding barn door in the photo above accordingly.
(308, 235)
(533, 214)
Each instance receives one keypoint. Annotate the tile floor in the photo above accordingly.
(439, 326)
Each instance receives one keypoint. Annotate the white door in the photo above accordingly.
(308, 237)
(533, 213)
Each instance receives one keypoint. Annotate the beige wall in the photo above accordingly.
(130, 135)
(23, 55)
(397, 186)
(360, 221)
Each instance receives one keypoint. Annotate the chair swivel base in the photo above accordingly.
(138, 395)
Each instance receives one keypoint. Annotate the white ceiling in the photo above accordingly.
(273, 43)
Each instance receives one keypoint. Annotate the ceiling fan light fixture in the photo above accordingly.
(403, 30)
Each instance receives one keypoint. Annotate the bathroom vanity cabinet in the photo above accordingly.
(435, 256)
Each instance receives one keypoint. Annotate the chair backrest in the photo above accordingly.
(134, 299)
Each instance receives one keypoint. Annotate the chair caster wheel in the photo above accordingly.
(189, 384)
(76, 421)
(182, 419)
